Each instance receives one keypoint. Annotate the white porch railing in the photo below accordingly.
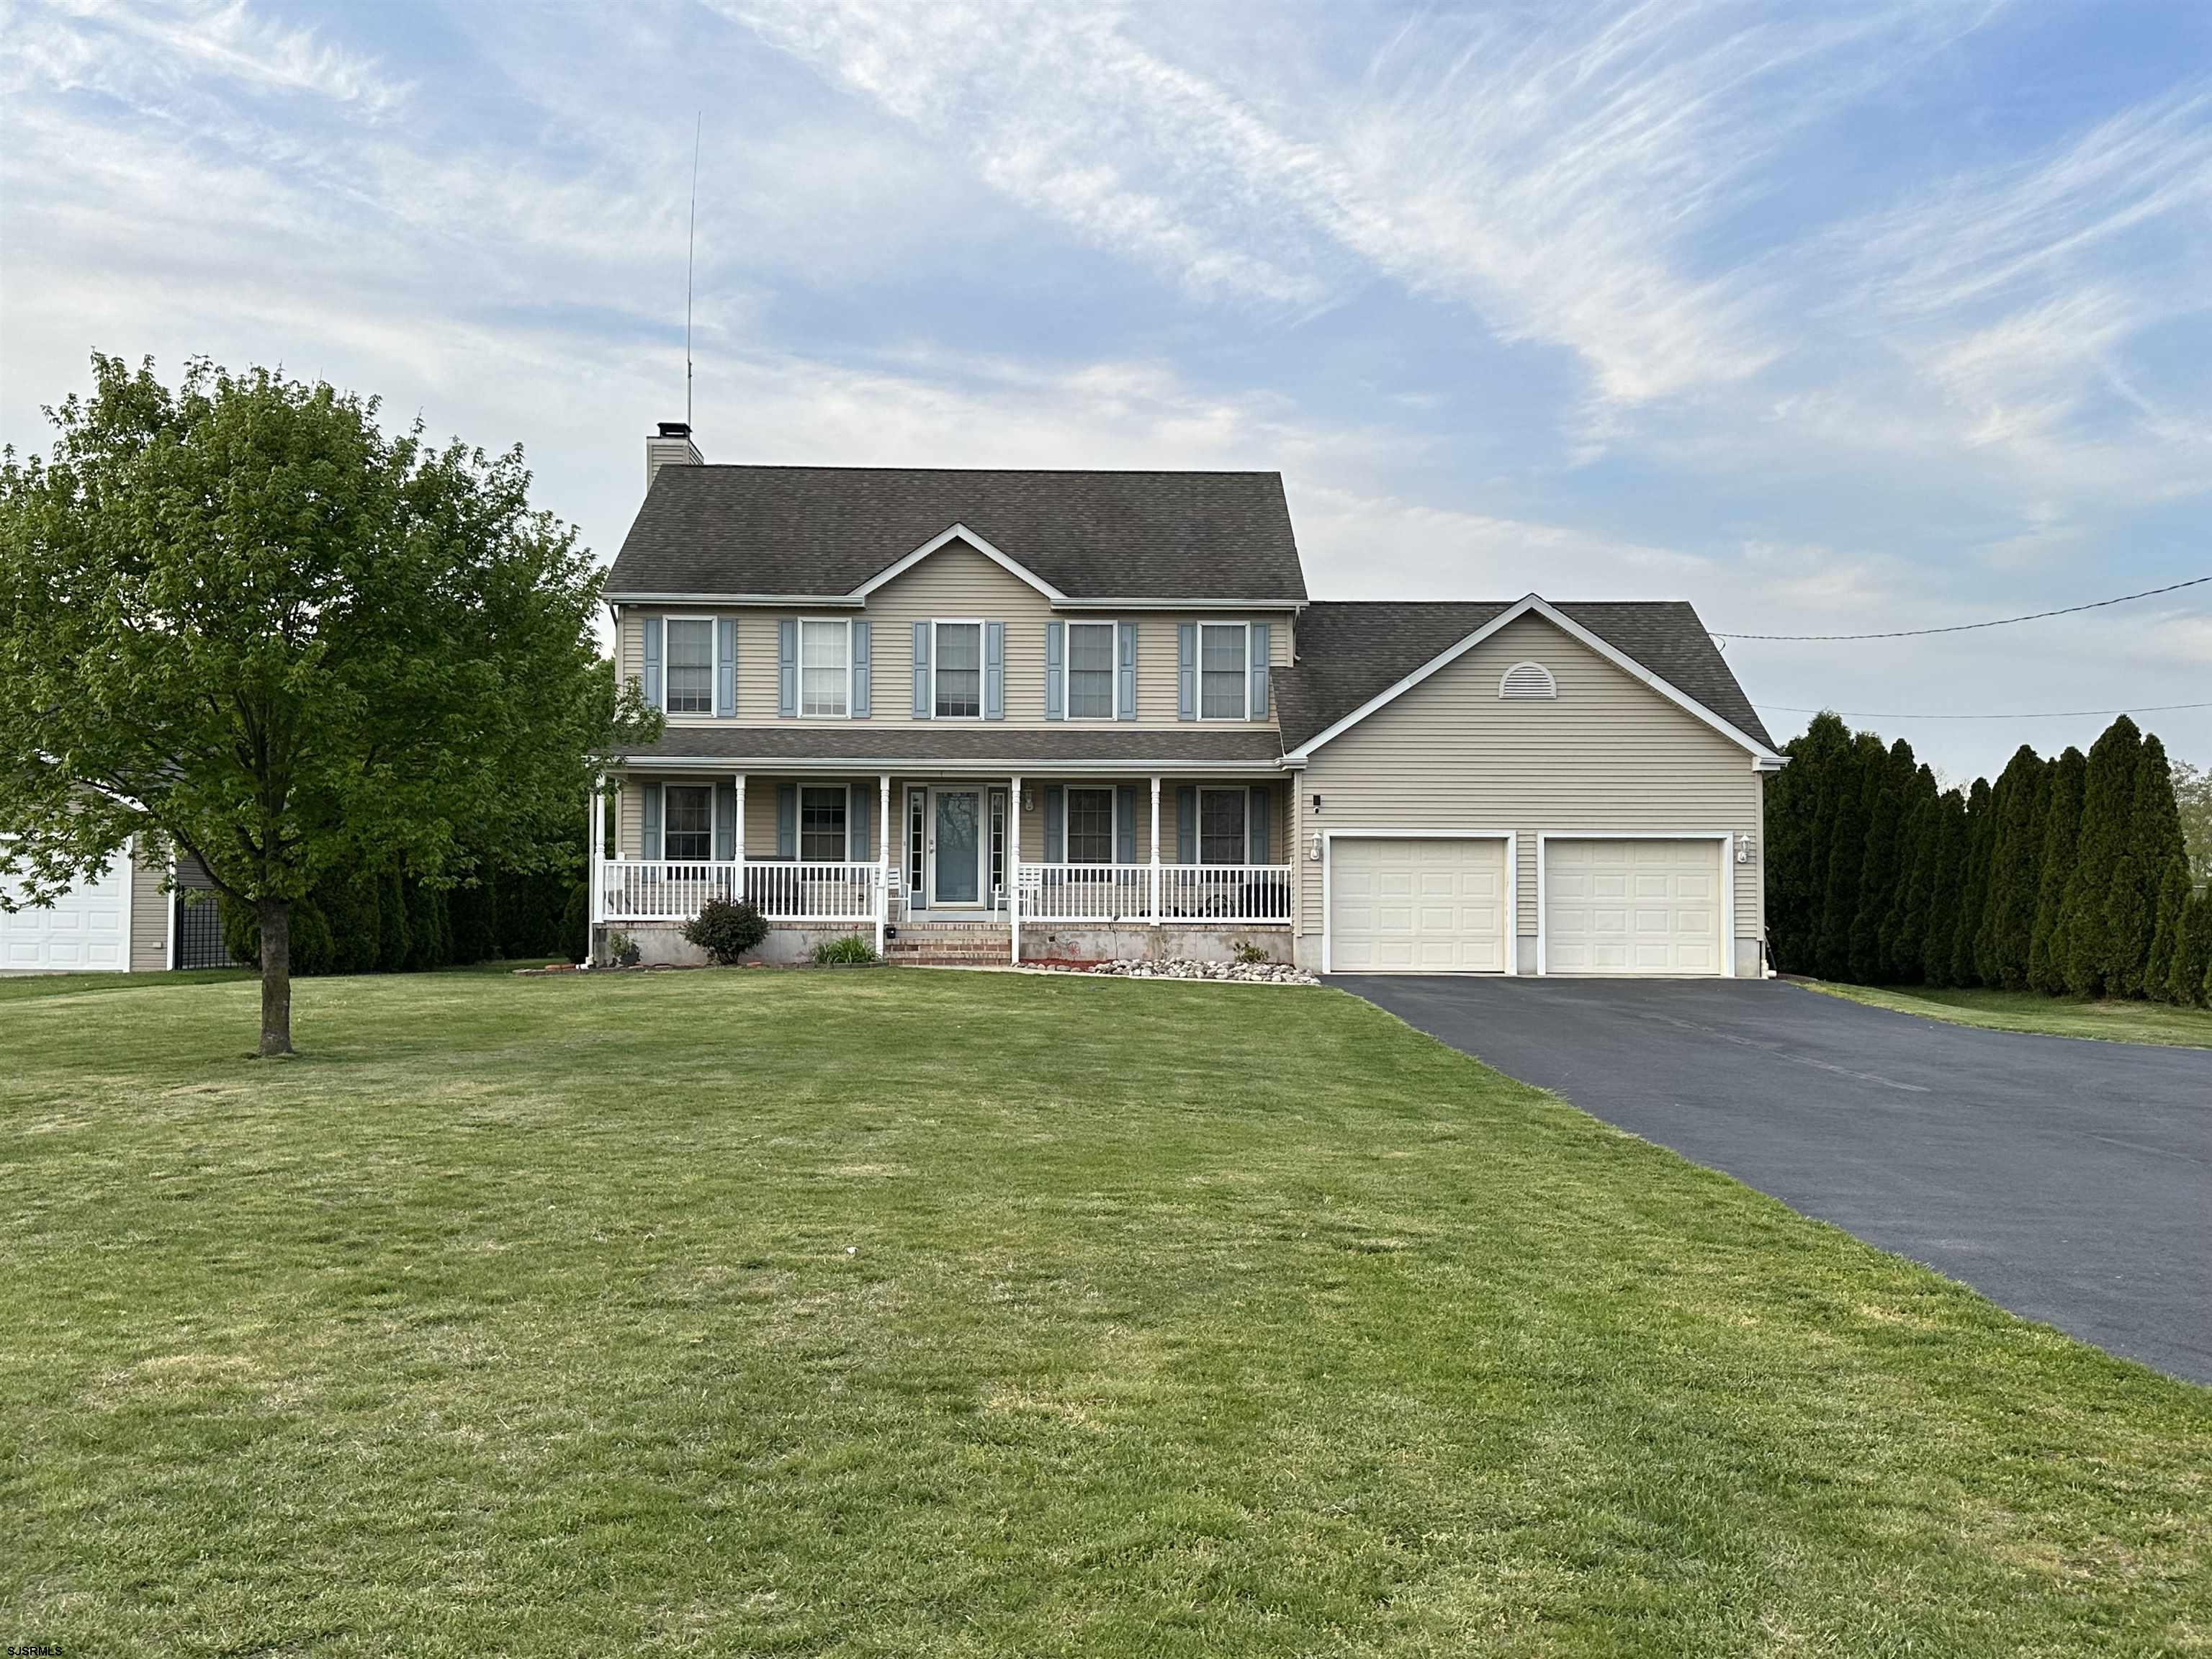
(663, 890)
(1086, 892)
(1188, 892)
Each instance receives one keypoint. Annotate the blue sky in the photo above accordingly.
(1828, 319)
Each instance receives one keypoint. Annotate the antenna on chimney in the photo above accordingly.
(690, 241)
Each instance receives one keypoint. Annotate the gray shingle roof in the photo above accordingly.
(1350, 651)
(920, 742)
(825, 530)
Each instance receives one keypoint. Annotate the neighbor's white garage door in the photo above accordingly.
(1415, 907)
(1632, 907)
(88, 930)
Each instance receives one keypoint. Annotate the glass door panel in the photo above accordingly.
(956, 875)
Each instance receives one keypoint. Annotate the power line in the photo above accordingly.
(1968, 628)
(2051, 714)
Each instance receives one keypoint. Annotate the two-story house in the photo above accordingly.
(1021, 715)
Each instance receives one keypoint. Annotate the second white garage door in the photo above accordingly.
(1415, 907)
(1632, 906)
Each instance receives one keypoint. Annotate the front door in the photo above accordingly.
(956, 873)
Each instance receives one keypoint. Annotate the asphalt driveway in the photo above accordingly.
(2071, 1181)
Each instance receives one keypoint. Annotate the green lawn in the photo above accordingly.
(2114, 1021)
(914, 1313)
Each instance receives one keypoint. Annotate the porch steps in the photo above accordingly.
(952, 944)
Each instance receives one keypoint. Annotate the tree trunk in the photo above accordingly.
(275, 918)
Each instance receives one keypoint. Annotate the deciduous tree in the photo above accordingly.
(238, 616)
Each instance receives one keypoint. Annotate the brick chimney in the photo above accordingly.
(670, 447)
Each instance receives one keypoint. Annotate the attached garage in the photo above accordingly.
(88, 931)
(1619, 905)
(1404, 904)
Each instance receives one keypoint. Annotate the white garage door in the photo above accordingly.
(1415, 907)
(1632, 907)
(87, 931)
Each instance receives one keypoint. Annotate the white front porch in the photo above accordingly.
(952, 847)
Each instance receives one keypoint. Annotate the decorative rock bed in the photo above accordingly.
(1244, 973)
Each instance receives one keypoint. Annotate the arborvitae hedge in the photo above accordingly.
(2188, 977)
(1888, 790)
(1974, 883)
(2062, 831)
(2067, 875)
(2007, 927)
(1846, 856)
(1946, 879)
(1906, 927)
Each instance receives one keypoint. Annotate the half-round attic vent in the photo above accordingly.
(1528, 679)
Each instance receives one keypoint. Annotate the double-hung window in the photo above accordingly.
(822, 823)
(959, 671)
(687, 833)
(1091, 670)
(1224, 684)
(1090, 826)
(691, 688)
(825, 669)
(1221, 826)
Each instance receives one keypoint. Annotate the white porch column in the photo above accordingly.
(1014, 869)
(595, 847)
(738, 844)
(883, 857)
(1154, 848)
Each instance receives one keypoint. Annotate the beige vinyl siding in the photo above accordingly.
(955, 584)
(149, 913)
(1608, 754)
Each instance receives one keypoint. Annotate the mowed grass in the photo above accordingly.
(905, 1312)
(2115, 1020)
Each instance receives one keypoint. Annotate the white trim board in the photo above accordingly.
(959, 532)
(1512, 877)
(1726, 838)
(1532, 604)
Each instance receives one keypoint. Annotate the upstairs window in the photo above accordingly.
(1223, 682)
(825, 669)
(687, 834)
(691, 688)
(1091, 671)
(960, 690)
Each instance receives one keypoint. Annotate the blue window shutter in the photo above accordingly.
(1125, 682)
(1259, 636)
(725, 666)
(1186, 673)
(1055, 633)
(786, 820)
(859, 837)
(1055, 824)
(860, 667)
(650, 847)
(726, 821)
(994, 671)
(1259, 830)
(921, 710)
(786, 668)
(1186, 821)
(652, 693)
(1125, 823)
